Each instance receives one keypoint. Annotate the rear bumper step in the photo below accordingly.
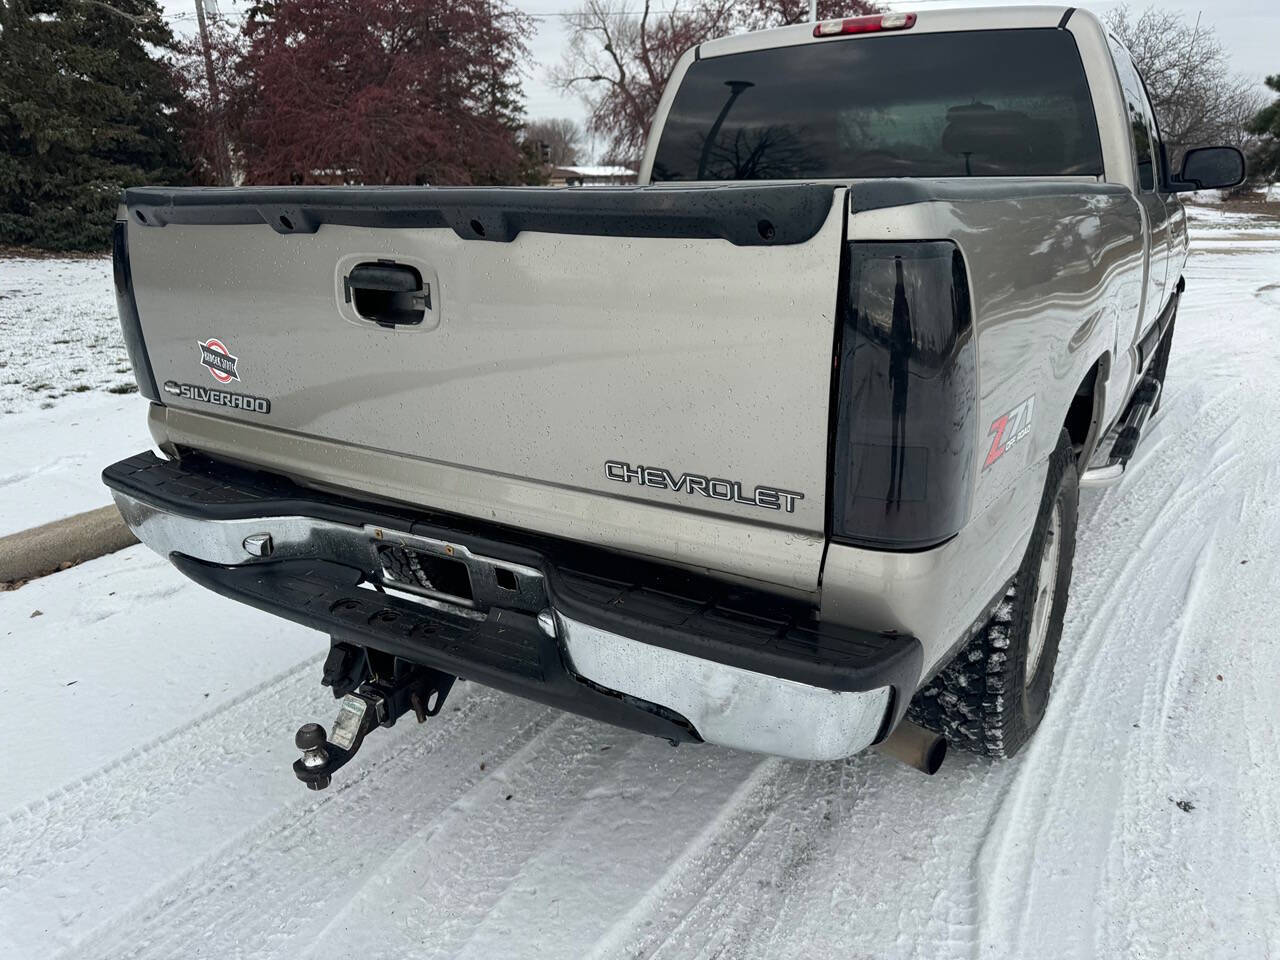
(624, 641)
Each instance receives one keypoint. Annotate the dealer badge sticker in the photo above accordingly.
(215, 357)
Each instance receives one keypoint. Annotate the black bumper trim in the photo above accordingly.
(506, 650)
(693, 614)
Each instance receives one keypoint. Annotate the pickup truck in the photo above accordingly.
(778, 449)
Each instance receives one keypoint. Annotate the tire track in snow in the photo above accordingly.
(630, 827)
(1255, 672)
(706, 857)
(443, 879)
(894, 877)
(1189, 753)
(33, 836)
(1215, 765)
(746, 889)
(280, 878)
(482, 868)
(1094, 676)
(810, 851)
(1176, 522)
(1127, 860)
(1269, 294)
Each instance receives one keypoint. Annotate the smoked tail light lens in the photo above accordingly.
(904, 442)
(130, 325)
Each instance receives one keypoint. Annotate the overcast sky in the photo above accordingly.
(1250, 30)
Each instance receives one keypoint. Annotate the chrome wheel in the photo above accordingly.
(1046, 587)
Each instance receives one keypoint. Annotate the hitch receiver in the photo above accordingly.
(374, 689)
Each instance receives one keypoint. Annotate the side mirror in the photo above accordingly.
(1209, 168)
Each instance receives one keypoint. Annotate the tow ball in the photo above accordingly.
(374, 689)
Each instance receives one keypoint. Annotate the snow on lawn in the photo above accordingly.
(127, 653)
(1213, 227)
(59, 331)
(51, 460)
(141, 818)
(68, 404)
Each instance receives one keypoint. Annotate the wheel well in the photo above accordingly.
(1083, 423)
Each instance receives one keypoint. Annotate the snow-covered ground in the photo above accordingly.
(50, 460)
(68, 403)
(1211, 226)
(60, 333)
(148, 809)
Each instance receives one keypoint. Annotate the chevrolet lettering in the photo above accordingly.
(771, 498)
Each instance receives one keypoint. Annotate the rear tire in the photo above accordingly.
(991, 698)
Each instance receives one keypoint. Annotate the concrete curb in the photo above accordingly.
(42, 550)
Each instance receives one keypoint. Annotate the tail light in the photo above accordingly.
(904, 442)
(130, 325)
(873, 24)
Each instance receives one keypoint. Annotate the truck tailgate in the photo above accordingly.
(568, 343)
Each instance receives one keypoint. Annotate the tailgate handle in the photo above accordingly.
(388, 293)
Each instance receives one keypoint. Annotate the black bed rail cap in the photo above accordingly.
(744, 215)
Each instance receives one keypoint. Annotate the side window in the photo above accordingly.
(1140, 119)
(1153, 124)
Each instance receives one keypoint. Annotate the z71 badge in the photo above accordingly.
(1009, 429)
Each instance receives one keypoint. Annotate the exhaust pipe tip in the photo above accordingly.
(934, 756)
(915, 746)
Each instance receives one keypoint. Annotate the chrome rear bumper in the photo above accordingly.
(723, 703)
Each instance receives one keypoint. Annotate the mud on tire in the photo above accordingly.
(983, 701)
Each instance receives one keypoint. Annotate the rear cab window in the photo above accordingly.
(982, 103)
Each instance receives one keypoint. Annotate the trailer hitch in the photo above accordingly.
(374, 689)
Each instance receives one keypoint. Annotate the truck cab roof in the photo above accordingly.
(927, 21)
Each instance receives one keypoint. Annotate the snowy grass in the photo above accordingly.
(68, 403)
(60, 332)
(1211, 217)
(51, 460)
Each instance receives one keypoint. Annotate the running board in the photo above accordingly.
(1121, 442)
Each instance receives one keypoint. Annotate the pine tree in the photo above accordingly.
(1265, 154)
(86, 109)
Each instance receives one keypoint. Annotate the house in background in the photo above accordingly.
(592, 176)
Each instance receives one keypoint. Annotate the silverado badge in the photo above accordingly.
(219, 398)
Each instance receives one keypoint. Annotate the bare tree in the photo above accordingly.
(761, 14)
(1197, 99)
(562, 137)
(619, 60)
(620, 56)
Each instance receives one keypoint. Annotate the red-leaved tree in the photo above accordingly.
(206, 121)
(619, 57)
(380, 91)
